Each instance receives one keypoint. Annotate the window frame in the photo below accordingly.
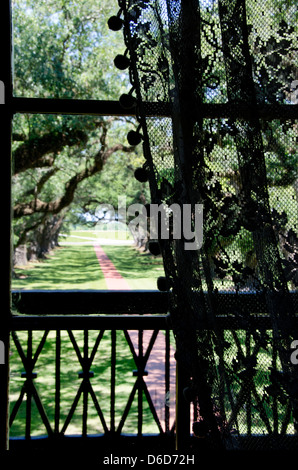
(14, 105)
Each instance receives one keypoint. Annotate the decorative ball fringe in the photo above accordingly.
(122, 62)
(200, 429)
(127, 101)
(115, 23)
(154, 247)
(134, 138)
(163, 284)
(141, 175)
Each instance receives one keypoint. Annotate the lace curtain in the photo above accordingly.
(223, 72)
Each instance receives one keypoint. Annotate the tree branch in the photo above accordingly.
(35, 152)
(54, 207)
(40, 184)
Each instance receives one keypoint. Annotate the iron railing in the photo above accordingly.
(136, 315)
(89, 356)
(60, 316)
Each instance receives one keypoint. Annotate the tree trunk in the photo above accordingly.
(46, 237)
(20, 256)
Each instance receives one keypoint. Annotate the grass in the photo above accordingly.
(70, 366)
(72, 267)
(101, 367)
(76, 267)
(97, 235)
(141, 270)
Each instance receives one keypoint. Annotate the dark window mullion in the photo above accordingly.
(5, 114)
(68, 106)
(153, 109)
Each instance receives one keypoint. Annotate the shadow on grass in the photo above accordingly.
(77, 267)
(134, 265)
(74, 267)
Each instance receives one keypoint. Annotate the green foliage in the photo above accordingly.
(66, 50)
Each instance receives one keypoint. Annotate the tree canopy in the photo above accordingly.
(65, 50)
(64, 166)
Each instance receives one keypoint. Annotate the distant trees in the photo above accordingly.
(65, 50)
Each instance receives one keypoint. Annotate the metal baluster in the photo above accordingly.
(167, 380)
(275, 402)
(113, 379)
(248, 401)
(57, 380)
(144, 373)
(140, 387)
(85, 379)
(28, 375)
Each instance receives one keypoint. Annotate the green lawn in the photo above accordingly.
(141, 270)
(71, 267)
(76, 235)
(77, 267)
